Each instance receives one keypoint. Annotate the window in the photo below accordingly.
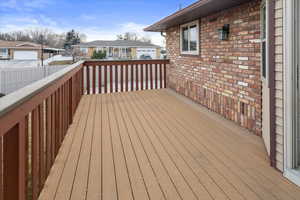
(263, 40)
(3, 52)
(189, 37)
(84, 50)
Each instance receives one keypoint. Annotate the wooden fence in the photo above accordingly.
(35, 120)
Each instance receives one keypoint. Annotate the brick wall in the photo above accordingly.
(225, 77)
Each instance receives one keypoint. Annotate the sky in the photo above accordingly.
(97, 19)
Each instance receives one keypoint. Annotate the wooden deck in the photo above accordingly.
(155, 145)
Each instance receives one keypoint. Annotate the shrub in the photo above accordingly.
(99, 55)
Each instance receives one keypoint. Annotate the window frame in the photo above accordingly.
(264, 41)
(188, 25)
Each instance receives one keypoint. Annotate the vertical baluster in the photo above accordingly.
(94, 79)
(105, 79)
(116, 79)
(15, 162)
(111, 78)
(132, 76)
(60, 107)
(142, 76)
(122, 77)
(35, 154)
(160, 76)
(151, 76)
(48, 132)
(165, 75)
(41, 145)
(82, 80)
(137, 77)
(126, 77)
(156, 77)
(88, 79)
(71, 100)
(57, 124)
(100, 79)
(147, 67)
(53, 125)
(67, 104)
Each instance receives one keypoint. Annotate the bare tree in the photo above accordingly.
(34, 35)
(133, 37)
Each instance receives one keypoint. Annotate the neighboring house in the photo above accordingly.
(18, 50)
(120, 49)
(240, 59)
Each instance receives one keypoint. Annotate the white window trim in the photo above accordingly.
(266, 40)
(196, 22)
(288, 14)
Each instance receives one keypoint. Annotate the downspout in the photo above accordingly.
(271, 59)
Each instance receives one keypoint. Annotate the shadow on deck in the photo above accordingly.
(156, 145)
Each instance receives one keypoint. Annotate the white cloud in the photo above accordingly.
(36, 3)
(156, 38)
(24, 4)
(95, 33)
(14, 23)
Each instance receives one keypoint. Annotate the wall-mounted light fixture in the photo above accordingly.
(224, 32)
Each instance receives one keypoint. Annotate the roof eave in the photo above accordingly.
(195, 11)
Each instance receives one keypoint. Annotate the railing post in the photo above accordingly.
(14, 160)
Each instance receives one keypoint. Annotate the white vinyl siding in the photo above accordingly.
(279, 83)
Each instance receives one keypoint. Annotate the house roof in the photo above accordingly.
(18, 44)
(25, 45)
(195, 11)
(116, 43)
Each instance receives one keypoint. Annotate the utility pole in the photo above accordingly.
(42, 46)
(42, 53)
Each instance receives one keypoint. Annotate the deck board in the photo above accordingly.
(156, 145)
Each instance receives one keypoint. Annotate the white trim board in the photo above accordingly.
(288, 35)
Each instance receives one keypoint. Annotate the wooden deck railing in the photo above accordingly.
(120, 76)
(35, 119)
(33, 123)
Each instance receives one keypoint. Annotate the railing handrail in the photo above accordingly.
(119, 62)
(15, 99)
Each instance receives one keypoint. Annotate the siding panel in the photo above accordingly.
(279, 83)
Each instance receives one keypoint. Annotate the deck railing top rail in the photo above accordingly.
(115, 62)
(13, 100)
